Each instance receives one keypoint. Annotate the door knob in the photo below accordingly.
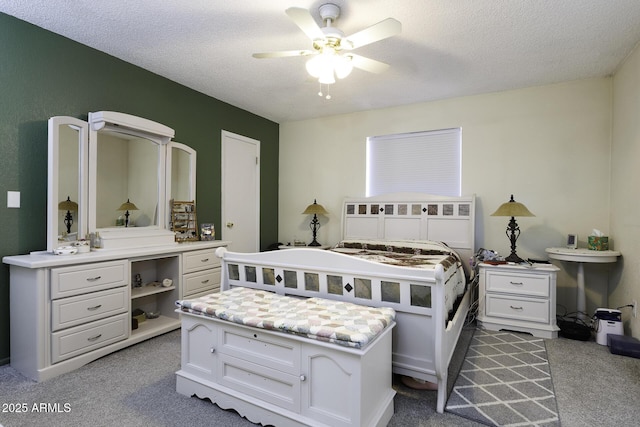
(229, 225)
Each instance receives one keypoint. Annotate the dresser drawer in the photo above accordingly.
(201, 281)
(535, 285)
(81, 279)
(524, 309)
(72, 311)
(82, 339)
(199, 260)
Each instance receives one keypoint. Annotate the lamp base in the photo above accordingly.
(314, 243)
(514, 258)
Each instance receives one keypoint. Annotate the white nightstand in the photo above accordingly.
(518, 298)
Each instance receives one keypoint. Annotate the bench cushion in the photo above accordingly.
(337, 322)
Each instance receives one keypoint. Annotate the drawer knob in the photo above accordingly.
(94, 337)
(205, 281)
(204, 260)
(515, 308)
(517, 283)
(93, 279)
(94, 308)
(303, 378)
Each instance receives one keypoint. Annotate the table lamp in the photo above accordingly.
(513, 209)
(315, 209)
(68, 205)
(127, 206)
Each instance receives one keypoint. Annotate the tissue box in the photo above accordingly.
(598, 243)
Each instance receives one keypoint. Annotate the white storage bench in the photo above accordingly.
(286, 361)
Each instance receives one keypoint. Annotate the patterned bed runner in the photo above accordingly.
(337, 322)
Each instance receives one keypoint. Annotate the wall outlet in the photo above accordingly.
(635, 308)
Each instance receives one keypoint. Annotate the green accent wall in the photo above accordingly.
(43, 74)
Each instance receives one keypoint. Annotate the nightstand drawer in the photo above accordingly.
(67, 312)
(524, 309)
(535, 285)
(199, 260)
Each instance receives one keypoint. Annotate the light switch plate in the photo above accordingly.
(13, 199)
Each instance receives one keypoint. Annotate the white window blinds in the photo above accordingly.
(426, 162)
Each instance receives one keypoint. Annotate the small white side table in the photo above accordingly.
(582, 256)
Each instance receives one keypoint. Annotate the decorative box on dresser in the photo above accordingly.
(518, 298)
(68, 310)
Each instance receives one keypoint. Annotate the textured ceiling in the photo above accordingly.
(447, 48)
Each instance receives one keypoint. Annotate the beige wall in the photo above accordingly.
(549, 146)
(625, 193)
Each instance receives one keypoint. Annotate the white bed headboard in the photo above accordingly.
(412, 216)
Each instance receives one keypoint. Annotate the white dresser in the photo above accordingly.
(68, 310)
(518, 298)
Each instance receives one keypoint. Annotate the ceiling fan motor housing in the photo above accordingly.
(329, 11)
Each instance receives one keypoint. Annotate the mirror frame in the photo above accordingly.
(53, 196)
(192, 168)
(147, 129)
(159, 234)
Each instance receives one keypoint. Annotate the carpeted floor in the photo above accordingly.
(505, 380)
(136, 387)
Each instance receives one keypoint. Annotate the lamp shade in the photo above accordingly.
(512, 208)
(128, 206)
(329, 64)
(68, 205)
(315, 208)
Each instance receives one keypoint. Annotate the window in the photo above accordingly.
(426, 162)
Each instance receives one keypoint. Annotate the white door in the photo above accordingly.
(240, 192)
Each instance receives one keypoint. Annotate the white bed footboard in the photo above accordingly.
(424, 338)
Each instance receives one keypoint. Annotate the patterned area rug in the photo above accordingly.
(505, 381)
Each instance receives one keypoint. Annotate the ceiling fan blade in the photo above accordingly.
(284, 54)
(367, 64)
(303, 19)
(382, 30)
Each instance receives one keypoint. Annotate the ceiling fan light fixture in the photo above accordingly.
(322, 67)
(314, 66)
(327, 76)
(343, 66)
(326, 66)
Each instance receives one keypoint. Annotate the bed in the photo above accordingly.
(425, 243)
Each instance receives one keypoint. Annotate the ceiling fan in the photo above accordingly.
(331, 53)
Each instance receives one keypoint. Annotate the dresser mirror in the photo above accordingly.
(118, 172)
(67, 190)
(181, 184)
(126, 168)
